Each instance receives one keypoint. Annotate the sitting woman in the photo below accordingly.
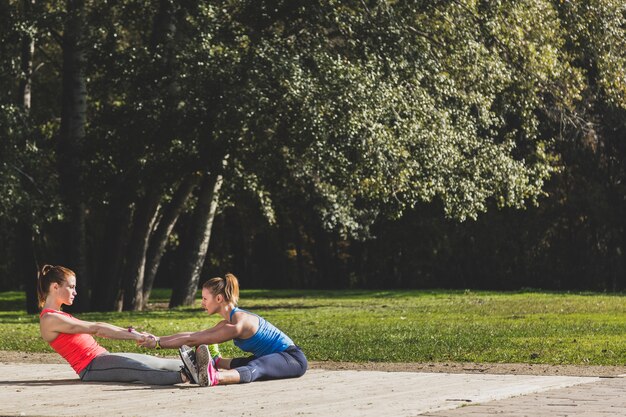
(72, 339)
(275, 356)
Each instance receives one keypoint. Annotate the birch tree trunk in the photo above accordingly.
(28, 51)
(185, 288)
(27, 264)
(162, 47)
(143, 222)
(158, 241)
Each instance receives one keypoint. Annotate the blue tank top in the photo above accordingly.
(267, 339)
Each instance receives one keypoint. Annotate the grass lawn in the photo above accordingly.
(391, 326)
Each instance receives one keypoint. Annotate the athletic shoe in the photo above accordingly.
(191, 352)
(185, 371)
(207, 374)
(189, 360)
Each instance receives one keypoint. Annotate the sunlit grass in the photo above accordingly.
(396, 326)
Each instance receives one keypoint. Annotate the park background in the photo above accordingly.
(314, 145)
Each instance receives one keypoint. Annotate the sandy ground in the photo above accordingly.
(53, 390)
(450, 367)
(41, 384)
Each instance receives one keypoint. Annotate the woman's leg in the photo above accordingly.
(288, 364)
(133, 367)
(232, 363)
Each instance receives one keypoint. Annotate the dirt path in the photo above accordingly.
(450, 367)
(54, 390)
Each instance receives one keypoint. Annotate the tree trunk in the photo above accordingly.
(28, 50)
(108, 286)
(158, 241)
(27, 264)
(163, 47)
(323, 256)
(619, 281)
(185, 288)
(71, 138)
(164, 30)
(143, 222)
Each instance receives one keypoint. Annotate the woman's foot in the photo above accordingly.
(185, 374)
(207, 374)
(190, 368)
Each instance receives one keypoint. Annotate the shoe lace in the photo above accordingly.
(192, 357)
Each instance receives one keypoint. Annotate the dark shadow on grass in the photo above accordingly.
(133, 317)
(19, 318)
(282, 306)
(12, 301)
(274, 294)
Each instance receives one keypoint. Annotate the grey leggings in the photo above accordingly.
(133, 367)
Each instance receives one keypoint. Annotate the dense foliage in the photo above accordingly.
(376, 143)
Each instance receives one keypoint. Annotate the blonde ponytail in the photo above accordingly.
(231, 289)
(227, 286)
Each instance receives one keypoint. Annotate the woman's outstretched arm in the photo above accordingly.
(221, 332)
(53, 324)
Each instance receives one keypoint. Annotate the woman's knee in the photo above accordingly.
(302, 362)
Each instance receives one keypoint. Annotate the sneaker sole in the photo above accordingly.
(202, 358)
(189, 365)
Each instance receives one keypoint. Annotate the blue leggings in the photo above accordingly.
(291, 363)
(133, 367)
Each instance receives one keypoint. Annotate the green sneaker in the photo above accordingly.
(214, 350)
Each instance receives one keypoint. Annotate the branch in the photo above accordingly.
(29, 178)
(49, 59)
(57, 37)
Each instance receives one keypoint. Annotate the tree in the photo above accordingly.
(71, 141)
(333, 118)
(28, 187)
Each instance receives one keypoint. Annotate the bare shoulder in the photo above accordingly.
(48, 317)
(52, 322)
(51, 317)
(246, 323)
(241, 317)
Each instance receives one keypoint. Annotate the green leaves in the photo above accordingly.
(595, 35)
(361, 111)
(353, 110)
(383, 116)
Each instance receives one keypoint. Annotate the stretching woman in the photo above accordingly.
(72, 339)
(275, 356)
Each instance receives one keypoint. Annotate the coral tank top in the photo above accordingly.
(77, 349)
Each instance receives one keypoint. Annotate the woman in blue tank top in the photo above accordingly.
(274, 355)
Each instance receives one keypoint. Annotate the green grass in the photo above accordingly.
(394, 326)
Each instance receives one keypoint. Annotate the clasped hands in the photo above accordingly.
(147, 340)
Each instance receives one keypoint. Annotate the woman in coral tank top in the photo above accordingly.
(73, 339)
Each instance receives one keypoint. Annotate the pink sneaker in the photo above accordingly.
(207, 374)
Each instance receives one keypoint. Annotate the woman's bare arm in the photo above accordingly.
(52, 324)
